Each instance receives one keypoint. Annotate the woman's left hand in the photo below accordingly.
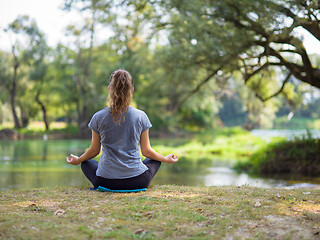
(73, 159)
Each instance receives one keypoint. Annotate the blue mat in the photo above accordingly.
(102, 189)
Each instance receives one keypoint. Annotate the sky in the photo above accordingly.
(50, 19)
(53, 21)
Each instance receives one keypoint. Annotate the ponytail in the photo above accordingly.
(121, 85)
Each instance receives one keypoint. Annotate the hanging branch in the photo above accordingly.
(276, 93)
(198, 87)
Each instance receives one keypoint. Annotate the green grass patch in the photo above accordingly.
(225, 143)
(296, 123)
(163, 212)
(297, 156)
(228, 144)
(34, 131)
(38, 129)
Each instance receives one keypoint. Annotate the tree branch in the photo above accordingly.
(198, 87)
(289, 50)
(276, 93)
(248, 76)
(311, 26)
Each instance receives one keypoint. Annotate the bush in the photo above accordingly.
(299, 156)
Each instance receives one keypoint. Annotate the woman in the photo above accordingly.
(120, 128)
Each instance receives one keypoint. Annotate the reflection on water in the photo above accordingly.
(38, 163)
(26, 179)
(218, 173)
(225, 176)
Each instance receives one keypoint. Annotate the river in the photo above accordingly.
(41, 163)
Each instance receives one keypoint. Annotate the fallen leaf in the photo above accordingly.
(199, 210)
(258, 204)
(296, 209)
(317, 234)
(101, 219)
(33, 207)
(279, 196)
(148, 215)
(252, 226)
(140, 231)
(59, 212)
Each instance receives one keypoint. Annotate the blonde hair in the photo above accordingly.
(121, 85)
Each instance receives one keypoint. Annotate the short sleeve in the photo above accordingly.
(93, 124)
(145, 122)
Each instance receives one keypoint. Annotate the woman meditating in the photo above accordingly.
(120, 128)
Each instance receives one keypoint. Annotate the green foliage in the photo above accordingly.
(296, 123)
(186, 58)
(36, 131)
(223, 143)
(297, 156)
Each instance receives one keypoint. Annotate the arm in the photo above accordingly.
(92, 151)
(148, 152)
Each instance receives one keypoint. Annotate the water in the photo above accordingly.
(39, 163)
(288, 134)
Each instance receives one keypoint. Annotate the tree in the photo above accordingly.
(183, 56)
(30, 52)
(158, 71)
(274, 41)
(85, 52)
(5, 78)
(39, 49)
(251, 36)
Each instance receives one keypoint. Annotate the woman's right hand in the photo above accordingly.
(171, 159)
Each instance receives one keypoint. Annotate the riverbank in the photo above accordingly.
(224, 143)
(58, 131)
(163, 212)
(298, 156)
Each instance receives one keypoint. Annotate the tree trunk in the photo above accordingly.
(13, 95)
(84, 117)
(44, 111)
(24, 118)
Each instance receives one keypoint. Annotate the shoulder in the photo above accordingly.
(137, 112)
(142, 118)
(101, 113)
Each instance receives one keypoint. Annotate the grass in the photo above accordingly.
(37, 128)
(226, 143)
(163, 212)
(296, 123)
(297, 156)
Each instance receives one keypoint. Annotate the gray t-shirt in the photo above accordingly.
(120, 144)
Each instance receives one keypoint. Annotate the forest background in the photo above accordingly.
(196, 65)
